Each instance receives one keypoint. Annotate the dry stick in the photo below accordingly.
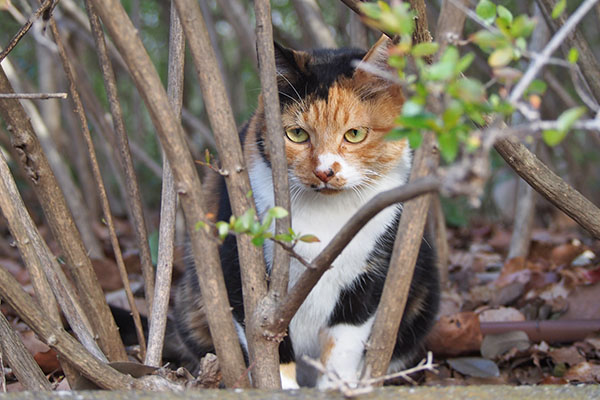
(525, 204)
(46, 9)
(31, 96)
(168, 206)
(60, 220)
(275, 142)
(266, 372)
(409, 239)
(587, 60)
(442, 252)
(132, 188)
(47, 275)
(21, 362)
(550, 48)
(254, 286)
(61, 170)
(205, 251)
(528, 166)
(285, 312)
(67, 346)
(100, 185)
(313, 25)
(550, 185)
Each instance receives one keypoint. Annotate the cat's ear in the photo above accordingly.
(373, 71)
(290, 64)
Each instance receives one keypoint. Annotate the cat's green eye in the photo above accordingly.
(356, 135)
(296, 135)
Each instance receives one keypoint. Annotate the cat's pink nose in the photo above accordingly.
(325, 176)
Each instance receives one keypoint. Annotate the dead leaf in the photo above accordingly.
(495, 345)
(568, 355)
(583, 372)
(455, 334)
(583, 303)
(474, 366)
(565, 253)
(107, 273)
(501, 314)
(48, 361)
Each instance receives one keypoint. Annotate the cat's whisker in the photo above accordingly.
(292, 86)
(291, 98)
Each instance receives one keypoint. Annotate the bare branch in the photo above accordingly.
(172, 137)
(46, 9)
(168, 207)
(32, 96)
(22, 363)
(99, 183)
(133, 197)
(586, 60)
(36, 167)
(556, 41)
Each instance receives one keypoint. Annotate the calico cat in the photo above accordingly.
(335, 119)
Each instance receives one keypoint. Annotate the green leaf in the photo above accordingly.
(573, 55)
(258, 240)
(249, 194)
(278, 212)
(223, 229)
(448, 146)
(553, 137)
(309, 239)
(464, 62)
(243, 223)
(568, 118)
(501, 57)
(284, 237)
(486, 10)
(153, 245)
(489, 40)
(414, 139)
(200, 225)
(452, 114)
(425, 49)
(504, 14)
(522, 27)
(559, 8)
(537, 87)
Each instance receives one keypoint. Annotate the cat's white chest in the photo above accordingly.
(325, 223)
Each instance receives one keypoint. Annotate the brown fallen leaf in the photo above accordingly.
(107, 273)
(568, 355)
(455, 334)
(48, 361)
(501, 314)
(583, 372)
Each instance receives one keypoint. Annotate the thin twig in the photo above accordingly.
(32, 96)
(172, 137)
(46, 9)
(134, 198)
(37, 169)
(99, 183)
(21, 362)
(168, 207)
(554, 43)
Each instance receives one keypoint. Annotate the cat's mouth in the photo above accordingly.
(326, 189)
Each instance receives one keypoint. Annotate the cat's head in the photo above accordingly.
(336, 118)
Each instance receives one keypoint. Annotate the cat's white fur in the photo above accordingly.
(323, 216)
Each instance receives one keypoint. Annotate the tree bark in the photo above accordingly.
(206, 258)
(36, 168)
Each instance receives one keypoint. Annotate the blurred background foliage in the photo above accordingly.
(231, 24)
